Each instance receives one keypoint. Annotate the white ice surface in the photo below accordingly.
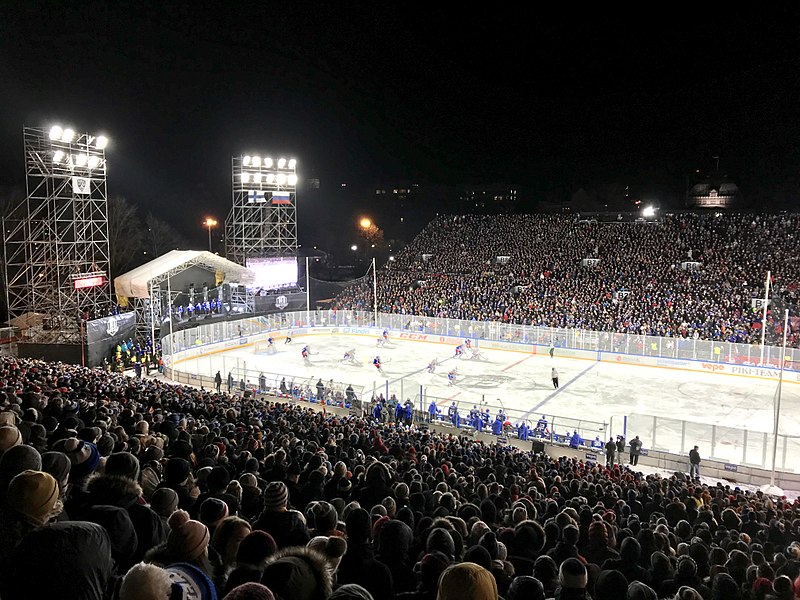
(522, 383)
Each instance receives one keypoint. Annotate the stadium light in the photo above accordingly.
(353, 247)
(67, 135)
(93, 161)
(80, 160)
(292, 163)
(56, 132)
(58, 155)
(391, 258)
(292, 179)
(256, 161)
(268, 163)
(270, 177)
(209, 222)
(281, 163)
(280, 179)
(365, 223)
(648, 211)
(257, 177)
(246, 161)
(245, 177)
(101, 142)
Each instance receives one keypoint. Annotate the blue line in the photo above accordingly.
(559, 390)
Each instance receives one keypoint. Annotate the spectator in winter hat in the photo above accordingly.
(249, 591)
(187, 542)
(10, 436)
(145, 580)
(467, 580)
(227, 537)
(251, 558)
(212, 511)
(641, 591)
(84, 458)
(121, 532)
(287, 527)
(332, 548)
(525, 587)
(13, 462)
(164, 502)
(572, 580)
(58, 465)
(298, 574)
(34, 497)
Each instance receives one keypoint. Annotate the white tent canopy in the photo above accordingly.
(137, 283)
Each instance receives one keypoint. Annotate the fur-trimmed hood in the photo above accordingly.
(298, 573)
(114, 490)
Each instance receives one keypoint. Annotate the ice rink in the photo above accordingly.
(521, 383)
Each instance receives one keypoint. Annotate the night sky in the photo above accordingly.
(365, 93)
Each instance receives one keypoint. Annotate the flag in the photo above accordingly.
(281, 198)
(255, 196)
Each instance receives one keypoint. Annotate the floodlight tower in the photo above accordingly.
(55, 241)
(262, 221)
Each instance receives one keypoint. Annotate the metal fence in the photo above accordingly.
(737, 446)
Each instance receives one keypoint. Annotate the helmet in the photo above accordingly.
(377, 358)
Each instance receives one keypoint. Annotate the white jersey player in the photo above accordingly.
(476, 355)
(432, 366)
(349, 356)
(383, 339)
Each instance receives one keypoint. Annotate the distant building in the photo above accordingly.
(490, 199)
(714, 192)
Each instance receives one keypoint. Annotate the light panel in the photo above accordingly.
(245, 177)
(268, 162)
(101, 142)
(257, 177)
(292, 179)
(93, 161)
(67, 136)
(292, 163)
(281, 163)
(58, 156)
(80, 160)
(246, 161)
(270, 177)
(280, 179)
(257, 161)
(56, 132)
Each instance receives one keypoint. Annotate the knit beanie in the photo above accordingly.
(212, 511)
(187, 538)
(57, 464)
(164, 501)
(572, 574)
(332, 548)
(467, 580)
(10, 436)
(250, 591)
(16, 460)
(276, 496)
(325, 517)
(33, 494)
(358, 525)
(525, 587)
(83, 456)
(255, 548)
(123, 464)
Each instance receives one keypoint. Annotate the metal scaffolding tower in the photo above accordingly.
(55, 241)
(262, 221)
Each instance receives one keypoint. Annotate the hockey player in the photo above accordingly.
(476, 355)
(459, 351)
(383, 338)
(452, 414)
(376, 362)
(451, 377)
(432, 366)
(432, 410)
(270, 345)
(468, 344)
(305, 353)
(288, 337)
(349, 356)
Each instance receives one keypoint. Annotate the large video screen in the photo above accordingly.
(273, 273)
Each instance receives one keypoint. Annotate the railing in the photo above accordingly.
(737, 446)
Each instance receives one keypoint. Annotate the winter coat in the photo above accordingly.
(126, 493)
(69, 560)
(359, 566)
(286, 527)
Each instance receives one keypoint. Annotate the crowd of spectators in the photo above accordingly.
(118, 487)
(451, 270)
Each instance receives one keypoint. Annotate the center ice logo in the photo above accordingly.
(281, 302)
